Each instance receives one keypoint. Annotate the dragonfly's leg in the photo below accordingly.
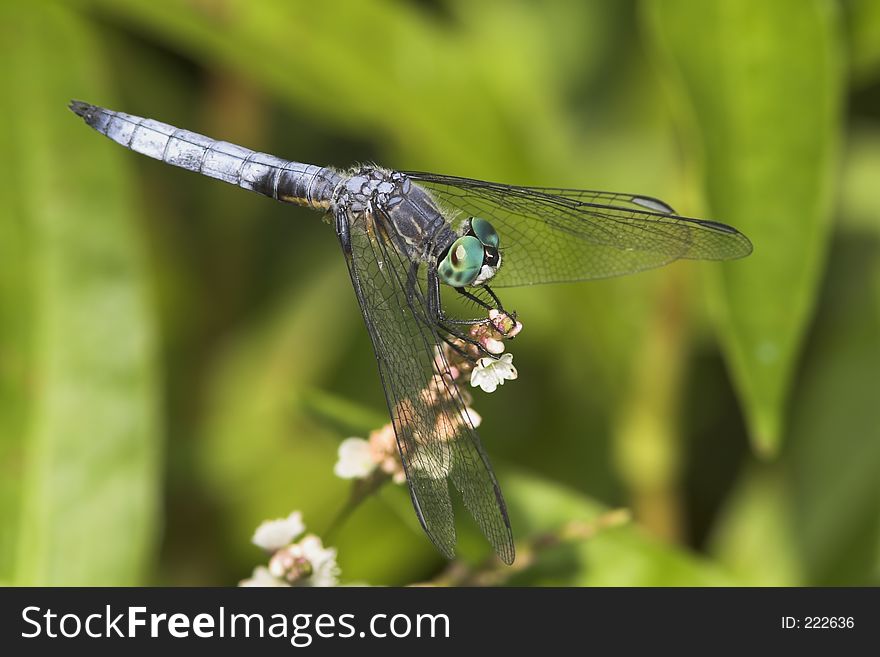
(342, 232)
(498, 306)
(477, 300)
(435, 305)
(437, 319)
(435, 308)
(497, 302)
(456, 347)
(455, 339)
(495, 298)
(344, 236)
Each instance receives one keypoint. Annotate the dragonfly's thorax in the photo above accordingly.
(408, 209)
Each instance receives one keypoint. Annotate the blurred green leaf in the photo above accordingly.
(834, 441)
(253, 418)
(763, 84)
(341, 412)
(864, 38)
(859, 201)
(81, 496)
(816, 519)
(314, 59)
(621, 556)
(755, 536)
(435, 88)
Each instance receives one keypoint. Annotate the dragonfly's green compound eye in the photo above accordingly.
(485, 232)
(462, 263)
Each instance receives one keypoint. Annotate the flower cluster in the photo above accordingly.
(303, 562)
(359, 459)
(486, 372)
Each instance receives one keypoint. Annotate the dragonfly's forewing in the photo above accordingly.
(551, 235)
(434, 433)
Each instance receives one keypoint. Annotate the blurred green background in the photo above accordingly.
(179, 359)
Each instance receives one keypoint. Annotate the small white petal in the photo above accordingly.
(475, 418)
(493, 346)
(491, 373)
(355, 460)
(325, 571)
(483, 378)
(261, 577)
(275, 534)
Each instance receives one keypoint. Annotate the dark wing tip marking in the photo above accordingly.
(654, 204)
(742, 241)
(717, 225)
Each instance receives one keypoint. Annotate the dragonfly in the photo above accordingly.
(407, 235)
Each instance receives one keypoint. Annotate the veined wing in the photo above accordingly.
(434, 432)
(555, 235)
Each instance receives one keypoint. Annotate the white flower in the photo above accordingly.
(385, 453)
(307, 563)
(355, 460)
(491, 373)
(261, 577)
(273, 535)
(325, 571)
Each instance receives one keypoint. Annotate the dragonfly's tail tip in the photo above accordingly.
(79, 108)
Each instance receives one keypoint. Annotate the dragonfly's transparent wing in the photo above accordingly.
(434, 433)
(555, 235)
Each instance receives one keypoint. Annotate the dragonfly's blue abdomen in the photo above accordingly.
(290, 182)
(417, 220)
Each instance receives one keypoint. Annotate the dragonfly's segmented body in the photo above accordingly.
(413, 213)
(404, 234)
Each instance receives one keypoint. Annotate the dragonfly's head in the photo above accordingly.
(473, 259)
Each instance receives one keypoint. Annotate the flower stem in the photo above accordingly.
(493, 572)
(361, 489)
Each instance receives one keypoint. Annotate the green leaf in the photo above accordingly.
(755, 536)
(341, 412)
(80, 504)
(760, 85)
(260, 443)
(821, 524)
(834, 443)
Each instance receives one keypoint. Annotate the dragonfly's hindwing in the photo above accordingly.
(436, 439)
